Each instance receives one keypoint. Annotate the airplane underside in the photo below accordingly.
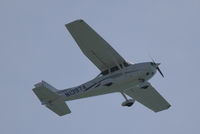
(117, 75)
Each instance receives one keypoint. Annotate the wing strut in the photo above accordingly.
(124, 96)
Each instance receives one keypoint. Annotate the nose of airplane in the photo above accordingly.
(155, 65)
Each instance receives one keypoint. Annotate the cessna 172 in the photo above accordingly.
(117, 75)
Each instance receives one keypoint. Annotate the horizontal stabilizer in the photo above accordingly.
(48, 97)
(45, 95)
(59, 107)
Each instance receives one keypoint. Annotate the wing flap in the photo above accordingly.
(149, 97)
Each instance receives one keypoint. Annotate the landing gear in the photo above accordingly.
(128, 102)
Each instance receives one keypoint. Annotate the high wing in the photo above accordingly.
(149, 97)
(94, 46)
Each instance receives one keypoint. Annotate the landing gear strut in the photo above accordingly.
(128, 102)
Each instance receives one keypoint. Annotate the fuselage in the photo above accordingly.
(120, 79)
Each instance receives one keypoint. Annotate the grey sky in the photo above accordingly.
(35, 46)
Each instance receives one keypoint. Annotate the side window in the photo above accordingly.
(121, 65)
(113, 69)
(105, 72)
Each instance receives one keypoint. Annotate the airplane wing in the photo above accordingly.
(149, 97)
(94, 46)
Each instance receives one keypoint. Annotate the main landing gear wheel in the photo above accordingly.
(128, 102)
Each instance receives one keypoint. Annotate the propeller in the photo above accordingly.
(160, 71)
(156, 65)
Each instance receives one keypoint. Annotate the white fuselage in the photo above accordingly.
(117, 81)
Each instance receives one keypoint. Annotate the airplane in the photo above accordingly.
(117, 75)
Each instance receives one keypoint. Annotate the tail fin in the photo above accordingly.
(48, 97)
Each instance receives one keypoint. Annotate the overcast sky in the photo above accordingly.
(35, 46)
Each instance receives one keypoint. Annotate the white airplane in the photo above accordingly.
(117, 75)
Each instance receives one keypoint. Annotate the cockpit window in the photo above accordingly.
(126, 64)
(113, 69)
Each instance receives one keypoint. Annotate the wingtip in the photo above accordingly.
(75, 21)
(167, 107)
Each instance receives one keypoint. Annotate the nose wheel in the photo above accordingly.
(128, 102)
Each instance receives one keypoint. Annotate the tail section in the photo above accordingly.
(48, 97)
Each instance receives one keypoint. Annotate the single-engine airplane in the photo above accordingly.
(117, 75)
